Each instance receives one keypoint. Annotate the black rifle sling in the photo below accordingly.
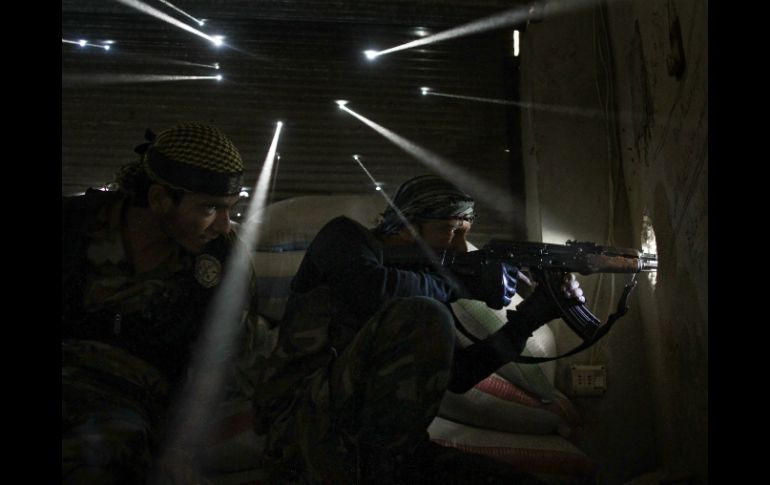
(621, 310)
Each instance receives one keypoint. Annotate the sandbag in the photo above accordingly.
(497, 404)
(550, 457)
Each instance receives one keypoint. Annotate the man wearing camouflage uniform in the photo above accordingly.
(366, 350)
(140, 266)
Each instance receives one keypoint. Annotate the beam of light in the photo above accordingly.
(568, 110)
(193, 411)
(143, 7)
(199, 22)
(274, 178)
(498, 199)
(258, 202)
(514, 16)
(398, 212)
(85, 43)
(377, 187)
(145, 60)
(84, 79)
(187, 63)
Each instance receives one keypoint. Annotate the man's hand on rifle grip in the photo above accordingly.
(540, 308)
(493, 282)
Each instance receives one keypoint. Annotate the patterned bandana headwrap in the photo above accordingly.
(191, 157)
(426, 197)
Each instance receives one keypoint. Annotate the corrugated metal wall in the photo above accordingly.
(290, 63)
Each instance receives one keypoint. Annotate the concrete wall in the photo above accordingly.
(638, 151)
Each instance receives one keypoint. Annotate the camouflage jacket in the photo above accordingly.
(155, 316)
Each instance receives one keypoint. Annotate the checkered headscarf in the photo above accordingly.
(191, 157)
(426, 197)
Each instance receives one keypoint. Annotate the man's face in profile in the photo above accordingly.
(445, 233)
(198, 219)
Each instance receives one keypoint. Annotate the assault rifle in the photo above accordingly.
(546, 262)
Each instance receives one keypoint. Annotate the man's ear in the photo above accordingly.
(158, 199)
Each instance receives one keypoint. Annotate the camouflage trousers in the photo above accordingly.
(111, 407)
(377, 396)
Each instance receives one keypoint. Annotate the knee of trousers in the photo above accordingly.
(424, 317)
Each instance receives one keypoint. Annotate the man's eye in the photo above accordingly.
(210, 209)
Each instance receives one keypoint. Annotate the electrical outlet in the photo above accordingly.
(588, 380)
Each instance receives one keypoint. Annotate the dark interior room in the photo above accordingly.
(582, 120)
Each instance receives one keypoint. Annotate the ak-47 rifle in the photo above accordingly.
(545, 262)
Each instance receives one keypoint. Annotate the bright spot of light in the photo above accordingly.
(218, 40)
(378, 188)
(244, 194)
(421, 31)
(424, 90)
(216, 65)
(516, 43)
(370, 54)
(84, 43)
(649, 245)
(341, 102)
(218, 77)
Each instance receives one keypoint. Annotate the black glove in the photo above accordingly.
(492, 282)
(540, 308)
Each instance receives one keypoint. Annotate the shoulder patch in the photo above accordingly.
(208, 270)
